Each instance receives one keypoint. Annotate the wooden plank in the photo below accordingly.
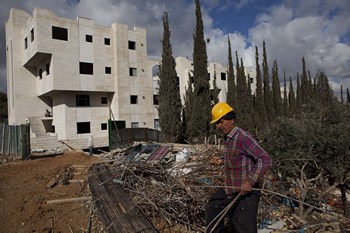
(68, 200)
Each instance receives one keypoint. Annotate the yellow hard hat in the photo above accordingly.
(219, 110)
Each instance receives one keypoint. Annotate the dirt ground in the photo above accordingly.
(25, 192)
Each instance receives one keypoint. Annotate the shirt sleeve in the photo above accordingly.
(262, 160)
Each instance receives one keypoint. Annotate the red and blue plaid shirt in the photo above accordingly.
(245, 160)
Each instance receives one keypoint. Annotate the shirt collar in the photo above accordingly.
(233, 132)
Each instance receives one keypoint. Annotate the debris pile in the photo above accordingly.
(172, 186)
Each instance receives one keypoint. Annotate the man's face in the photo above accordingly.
(225, 126)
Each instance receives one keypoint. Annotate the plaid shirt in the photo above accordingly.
(245, 160)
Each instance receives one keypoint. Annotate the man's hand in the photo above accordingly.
(216, 161)
(246, 187)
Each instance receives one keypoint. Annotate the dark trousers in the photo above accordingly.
(243, 215)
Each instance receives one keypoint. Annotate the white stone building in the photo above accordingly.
(67, 78)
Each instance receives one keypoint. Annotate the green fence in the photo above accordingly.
(120, 136)
(15, 140)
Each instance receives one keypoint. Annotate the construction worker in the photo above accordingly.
(245, 164)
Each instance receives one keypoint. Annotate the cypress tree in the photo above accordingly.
(341, 94)
(187, 112)
(276, 90)
(291, 97)
(304, 85)
(215, 93)
(201, 97)
(347, 95)
(260, 110)
(324, 90)
(231, 98)
(285, 98)
(299, 101)
(267, 91)
(170, 106)
(241, 89)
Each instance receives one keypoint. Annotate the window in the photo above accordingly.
(25, 43)
(223, 76)
(103, 126)
(156, 124)
(251, 80)
(88, 38)
(155, 100)
(59, 33)
(104, 100)
(40, 73)
(86, 68)
(47, 68)
(209, 76)
(133, 99)
(83, 127)
(134, 124)
(107, 41)
(32, 34)
(133, 72)
(108, 70)
(132, 45)
(82, 100)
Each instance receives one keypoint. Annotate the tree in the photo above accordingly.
(285, 98)
(260, 110)
(276, 90)
(170, 106)
(291, 99)
(299, 101)
(341, 94)
(267, 91)
(187, 111)
(215, 93)
(304, 90)
(231, 98)
(201, 96)
(324, 91)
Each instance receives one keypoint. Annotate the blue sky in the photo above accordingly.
(318, 30)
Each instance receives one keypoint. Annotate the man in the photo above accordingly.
(245, 164)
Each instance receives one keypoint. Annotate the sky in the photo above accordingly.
(318, 30)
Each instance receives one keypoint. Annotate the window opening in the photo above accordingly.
(133, 72)
(133, 99)
(104, 100)
(103, 126)
(223, 76)
(32, 34)
(59, 33)
(134, 124)
(47, 68)
(88, 38)
(86, 68)
(82, 100)
(40, 73)
(108, 70)
(132, 45)
(83, 127)
(155, 100)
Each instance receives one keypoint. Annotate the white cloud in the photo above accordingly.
(290, 36)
